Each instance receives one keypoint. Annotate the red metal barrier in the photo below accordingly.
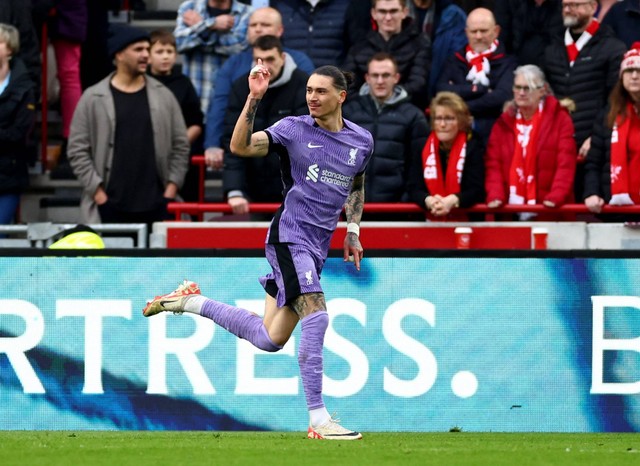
(195, 208)
(223, 235)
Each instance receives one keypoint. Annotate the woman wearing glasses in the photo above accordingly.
(449, 172)
(531, 154)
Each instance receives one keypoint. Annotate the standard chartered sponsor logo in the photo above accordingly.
(312, 173)
(326, 176)
(338, 179)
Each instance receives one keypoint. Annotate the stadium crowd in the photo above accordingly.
(495, 102)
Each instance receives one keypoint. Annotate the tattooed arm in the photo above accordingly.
(244, 142)
(353, 211)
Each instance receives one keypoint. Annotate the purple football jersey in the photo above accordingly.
(318, 167)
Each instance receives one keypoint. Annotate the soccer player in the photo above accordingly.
(323, 159)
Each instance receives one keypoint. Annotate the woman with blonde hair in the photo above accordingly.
(449, 172)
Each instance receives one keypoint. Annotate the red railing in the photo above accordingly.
(198, 160)
(199, 208)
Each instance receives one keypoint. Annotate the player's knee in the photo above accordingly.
(321, 319)
(271, 346)
(317, 321)
(268, 343)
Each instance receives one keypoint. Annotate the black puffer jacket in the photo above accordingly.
(410, 48)
(318, 31)
(589, 81)
(17, 112)
(527, 28)
(399, 129)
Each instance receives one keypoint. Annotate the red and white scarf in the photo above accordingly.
(573, 48)
(522, 177)
(625, 171)
(432, 166)
(479, 66)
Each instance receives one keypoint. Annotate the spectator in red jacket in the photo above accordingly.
(531, 155)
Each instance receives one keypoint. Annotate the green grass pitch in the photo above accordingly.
(123, 448)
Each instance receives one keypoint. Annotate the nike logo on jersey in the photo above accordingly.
(313, 146)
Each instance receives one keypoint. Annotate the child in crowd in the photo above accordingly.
(162, 60)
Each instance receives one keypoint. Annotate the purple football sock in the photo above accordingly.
(241, 323)
(314, 327)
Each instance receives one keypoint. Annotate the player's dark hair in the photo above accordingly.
(341, 79)
(268, 43)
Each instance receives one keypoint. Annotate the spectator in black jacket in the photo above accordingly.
(17, 112)
(527, 27)
(624, 19)
(449, 171)
(399, 130)
(317, 28)
(481, 73)
(397, 35)
(258, 179)
(583, 67)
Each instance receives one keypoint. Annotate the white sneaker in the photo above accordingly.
(331, 430)
(173, 302)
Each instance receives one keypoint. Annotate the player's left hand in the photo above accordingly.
(352, 251)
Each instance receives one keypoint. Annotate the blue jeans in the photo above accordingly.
(8, 207)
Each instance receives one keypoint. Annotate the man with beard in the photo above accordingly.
(128, 141)
(582, 66)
